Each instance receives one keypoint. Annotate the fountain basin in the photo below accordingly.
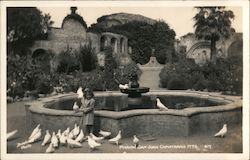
(56, 112)
(135, 91)
(134, 97)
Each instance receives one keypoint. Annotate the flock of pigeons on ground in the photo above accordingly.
(76, 137)
(72, 139)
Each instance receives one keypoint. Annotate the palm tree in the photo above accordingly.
(213, 23)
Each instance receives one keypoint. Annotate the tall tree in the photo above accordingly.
(24, 25)
(163, 42)
(213, 23)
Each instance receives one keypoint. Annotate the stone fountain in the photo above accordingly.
(134, 92)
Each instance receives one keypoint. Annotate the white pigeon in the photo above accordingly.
(73, 143)
(66, 132)
(222, 132)
(76, 131)
(79, 92)
(36, 137)
(75, 106)
(136, 141)
(50, 149)
(125, 86)
(22, 143)
(80, 137)
(160, 105)
(63, 139)
(11, 134)
(116, 139)
(34, 131)
(95, 138)
(46, 138)
(54, 140)
(105, 134)
(59, 134)
(92, 143)
(71, 135)
(26, 146)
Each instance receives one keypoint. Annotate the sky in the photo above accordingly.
(178, 18)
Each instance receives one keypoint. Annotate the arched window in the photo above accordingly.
(41, 57)
(39, 54)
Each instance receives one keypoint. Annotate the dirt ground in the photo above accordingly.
(196, 143)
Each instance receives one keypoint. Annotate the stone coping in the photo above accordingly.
(233, 103)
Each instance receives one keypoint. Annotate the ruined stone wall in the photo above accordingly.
(195, 48)
(188, 41)
(72, 35)
(222, 44)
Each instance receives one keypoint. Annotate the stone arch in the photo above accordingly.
(202, 44)
(200, 52)
(43, 58)
(114, 44)
(103, 42)
(39, 53)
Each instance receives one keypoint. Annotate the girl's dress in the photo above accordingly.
(88, 116)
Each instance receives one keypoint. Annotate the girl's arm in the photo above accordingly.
(81, 110)
(90, 106)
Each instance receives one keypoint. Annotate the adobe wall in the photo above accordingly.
(72, 35)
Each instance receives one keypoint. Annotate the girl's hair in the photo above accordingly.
(88, 91)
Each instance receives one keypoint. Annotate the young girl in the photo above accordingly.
(87, 107)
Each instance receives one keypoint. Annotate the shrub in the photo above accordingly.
(165, 74)
(200, 85)
(93, 80)
(66, 60)
(109, 68)
(225, 75)
(22, 74)
(43, 85)
(122, 74)
(177, 82)
(70, 83)
(87, 58)
(184, 69)
(70, 60)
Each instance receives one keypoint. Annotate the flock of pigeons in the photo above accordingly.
(76, 137)
(72, 139)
